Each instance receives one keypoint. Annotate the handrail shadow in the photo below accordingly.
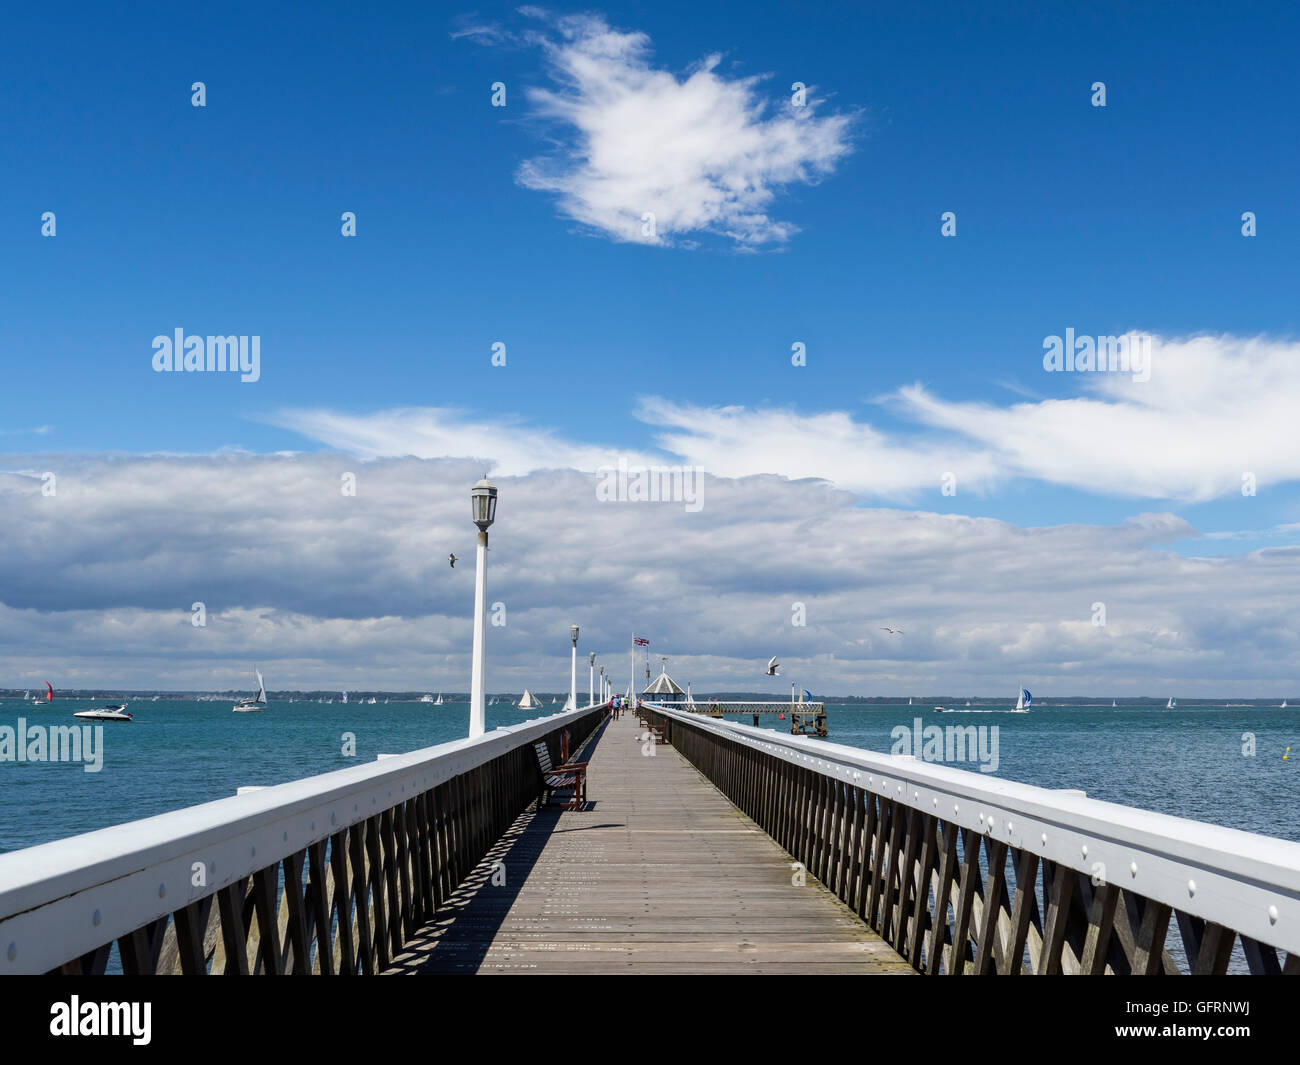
(466, 926)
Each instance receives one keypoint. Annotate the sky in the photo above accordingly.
(815, 257)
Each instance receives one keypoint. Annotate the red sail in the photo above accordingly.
(49, 692)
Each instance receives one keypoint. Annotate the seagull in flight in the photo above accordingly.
(453, 560)
(892, 632)
(773, 667)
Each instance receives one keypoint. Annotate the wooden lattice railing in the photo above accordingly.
(327, 875)
(966, 874)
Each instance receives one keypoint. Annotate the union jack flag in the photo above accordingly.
(640, 642)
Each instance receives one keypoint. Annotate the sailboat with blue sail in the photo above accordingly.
(1024, 702)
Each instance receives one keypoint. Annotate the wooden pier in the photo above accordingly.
(660, 873)
(725, 849)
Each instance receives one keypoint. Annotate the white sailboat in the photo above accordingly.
(345, 697)
(438, 701)
(1113, 704)
(528, 702)
(1024, 702)
(1171, 704)
(257, 703)
(1283, 706)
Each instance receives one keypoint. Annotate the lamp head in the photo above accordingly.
(483, 504)
(573, 634)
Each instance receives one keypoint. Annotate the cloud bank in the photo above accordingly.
(327, 590)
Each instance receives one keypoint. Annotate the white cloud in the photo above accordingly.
(1215, 408)
(703, 153)
(741, 442)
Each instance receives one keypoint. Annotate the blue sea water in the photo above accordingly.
(176, 753)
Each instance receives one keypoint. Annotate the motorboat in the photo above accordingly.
(110, 712)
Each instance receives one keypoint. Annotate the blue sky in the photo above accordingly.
(225, 219)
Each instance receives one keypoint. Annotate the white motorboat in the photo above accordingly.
(110, 712)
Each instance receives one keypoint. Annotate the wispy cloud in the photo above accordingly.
(505, 447)
(1215, 409)
(702, 153)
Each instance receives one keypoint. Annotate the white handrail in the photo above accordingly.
(62, 899)
(1242, 880)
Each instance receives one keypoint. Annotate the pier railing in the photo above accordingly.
(330, 874)
(963, 873)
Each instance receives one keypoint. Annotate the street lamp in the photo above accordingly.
(573, 669)
(591, 680)
(483, 509)
(603, 696)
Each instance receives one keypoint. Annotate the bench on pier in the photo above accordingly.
(571, 775)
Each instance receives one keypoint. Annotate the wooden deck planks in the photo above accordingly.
(660, 874)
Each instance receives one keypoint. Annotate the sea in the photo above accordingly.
(1192, 761)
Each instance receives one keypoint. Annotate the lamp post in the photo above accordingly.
(573, 669)
(603, 696)
(591, 679)
(483, 508)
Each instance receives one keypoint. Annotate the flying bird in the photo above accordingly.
(892, 632)
(453, 560)
(773, 667)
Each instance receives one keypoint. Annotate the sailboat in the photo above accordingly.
(1171, 704)
(552, 700)
(1283, 706)
(528, 702)
(1113, 704)
(26, 696)
(256, 704)
(1024, 702)
(345, 697)
(438, 701)
(909, 700)
(48, 697)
